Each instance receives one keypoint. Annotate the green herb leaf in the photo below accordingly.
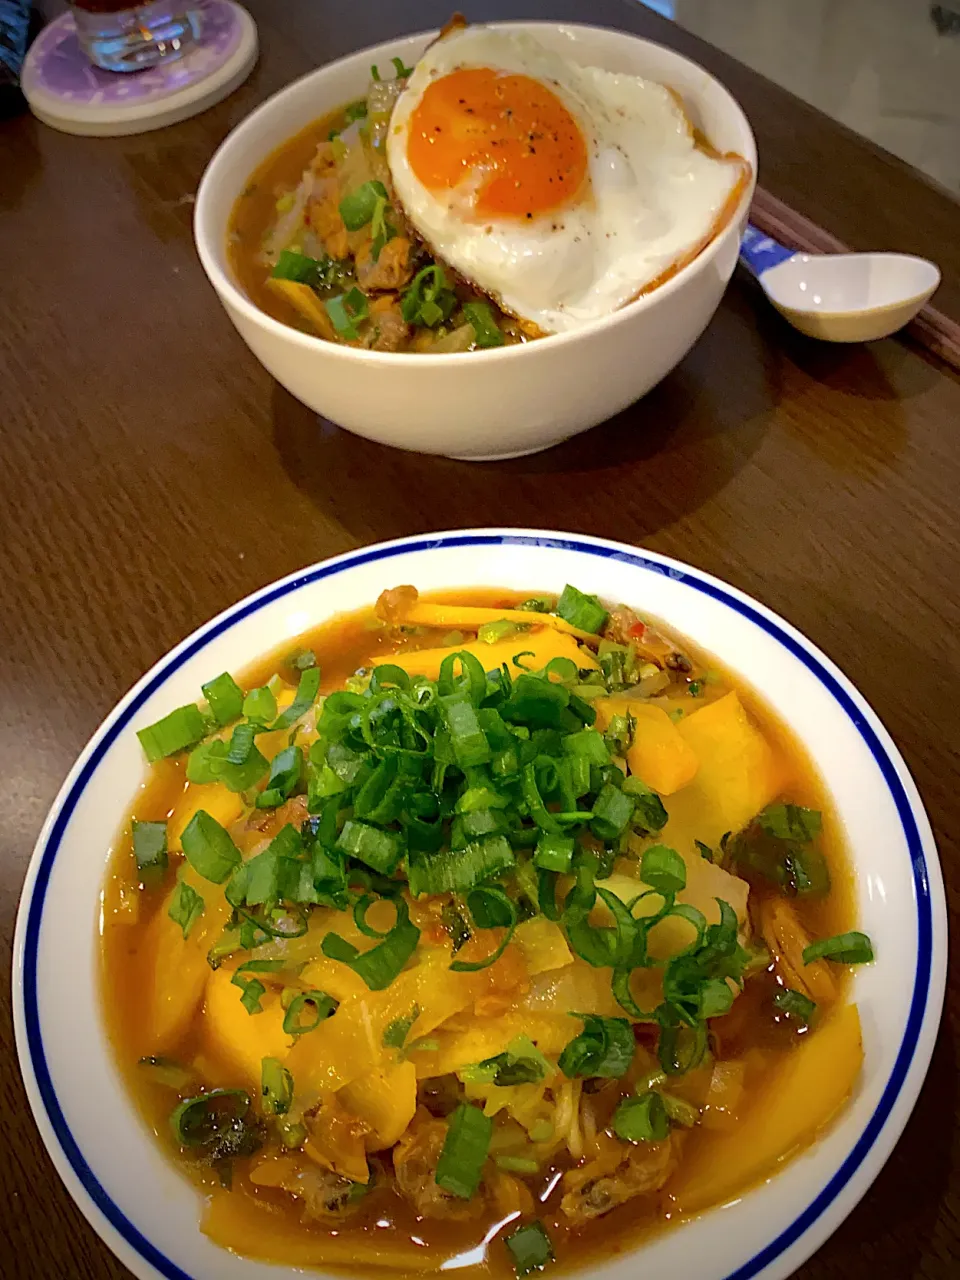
(346, 310)
(260, 705)
(394, 1037)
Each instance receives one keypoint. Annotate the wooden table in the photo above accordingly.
(151, 473)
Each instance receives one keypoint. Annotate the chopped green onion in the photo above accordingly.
(304, 698)
(491, 909)
(680, 1111)
(531, 1248)
(374, 72)
(694, 688)
(356, 209)
(186, 907)
(581, 611)
(345, 309)
(554, 852)
(395, 1035)
(516, 1164)
(253, 990)
(276, 1087)
(604, 1047)
(260, 705)
(844, 948)
(200, 1121)
(381, 964)
(175, 732)
(208, 848)
(492, 632)
(286, 769)
(402, 71)
(521, 1063)
(427, 300)
(168, 1073)
(150, 847)
(648, 813)
(470, 745)
(486, 331)
(307, 1010)
(465, 1148)
(641, 1119)
(612, 811)
(796, 1004)
(303, 660)
(459, 870)
(355, 111)
(663, 869)
(791, 822)
(224, 697)
(373, 846)
(587, 745)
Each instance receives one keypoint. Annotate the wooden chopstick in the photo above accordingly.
(931, 329)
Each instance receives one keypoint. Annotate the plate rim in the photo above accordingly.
(808, 1229)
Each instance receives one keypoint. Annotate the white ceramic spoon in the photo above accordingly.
(840, 297)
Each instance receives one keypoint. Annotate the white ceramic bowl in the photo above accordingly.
(142, 1207)
(482, 404)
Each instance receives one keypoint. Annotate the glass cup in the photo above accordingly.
(120, 36)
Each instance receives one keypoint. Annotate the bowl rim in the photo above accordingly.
(919, 1030)
(231, 294)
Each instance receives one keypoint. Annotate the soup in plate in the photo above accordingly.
(481, 931)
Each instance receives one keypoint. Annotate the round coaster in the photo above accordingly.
(65, 91)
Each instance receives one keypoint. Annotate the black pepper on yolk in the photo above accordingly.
(510, 131)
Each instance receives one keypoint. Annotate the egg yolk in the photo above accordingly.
(508, 134)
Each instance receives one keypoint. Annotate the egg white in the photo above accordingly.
(655, 195)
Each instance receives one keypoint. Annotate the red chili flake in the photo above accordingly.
(637, 631)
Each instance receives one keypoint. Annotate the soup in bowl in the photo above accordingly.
(483, 926)
(342, 239)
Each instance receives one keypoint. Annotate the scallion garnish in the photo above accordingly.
(796, 1004)
(663, 869)
(175, 732)
(356, 209)
(381, 964)
(642, 1119)
(150, 848)
(844, 948)
(465, 1148)
(346, 310)
(428, 300)
(306, 1010)
(531, 1248)
(205, 1119)
(276, 1087)
(395, 1036)
(580, 610)
(224, 698)
(260, 706)
(304, 698)
(208, 848)
(604, 1047)
(186, 907)
(286, 769)
(490, 908)
(486, 331)
(402, 71)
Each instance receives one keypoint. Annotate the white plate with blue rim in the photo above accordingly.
(148, 1214)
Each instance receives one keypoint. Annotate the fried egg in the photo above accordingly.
(562, 191)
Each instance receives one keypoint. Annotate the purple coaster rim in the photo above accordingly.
(57, 66)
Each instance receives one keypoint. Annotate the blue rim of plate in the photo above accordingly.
(918, 1003)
